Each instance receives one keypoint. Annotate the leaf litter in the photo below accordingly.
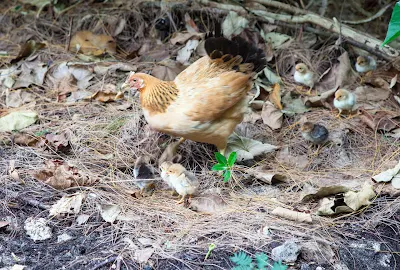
(293, 166)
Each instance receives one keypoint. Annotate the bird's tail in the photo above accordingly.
(237, 52)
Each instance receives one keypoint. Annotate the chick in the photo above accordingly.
(365, 64)
(344, 100)
(164, 168)
(305, 76)
(315, 133)
(184, 182)
(145, 172)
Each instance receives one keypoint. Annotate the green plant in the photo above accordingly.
(394, 25)
(244, 262)
(224, 164)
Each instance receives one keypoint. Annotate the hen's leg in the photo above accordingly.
(170, 152)
(181, 200)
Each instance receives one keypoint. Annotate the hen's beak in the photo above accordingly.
(125, 87)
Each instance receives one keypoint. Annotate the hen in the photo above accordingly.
(208, 99)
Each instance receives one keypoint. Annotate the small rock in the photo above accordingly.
(305, 266)
(63, 238)
(315, 252)
(340, 266)
(37, 229)
(320, 268)
(287, 252)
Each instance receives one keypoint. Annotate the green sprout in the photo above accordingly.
(210, 248)
(224, 164)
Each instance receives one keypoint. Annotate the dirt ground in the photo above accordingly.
(87, 136)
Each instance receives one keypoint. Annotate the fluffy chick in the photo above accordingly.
(315, 133)
(365, 64)
(145, 172)
(305, 76)
(184, 182)
(344, 100)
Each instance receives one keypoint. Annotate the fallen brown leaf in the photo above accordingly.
(271, 116)
(61, 176)
(27, 49)
(275, 96)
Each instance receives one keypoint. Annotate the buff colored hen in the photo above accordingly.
(208, 99)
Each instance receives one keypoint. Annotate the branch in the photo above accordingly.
(371, 18)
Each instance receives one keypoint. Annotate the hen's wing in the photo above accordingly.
(218, 81)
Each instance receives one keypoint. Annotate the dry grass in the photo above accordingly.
(98, 130)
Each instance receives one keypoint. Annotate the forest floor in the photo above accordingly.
(70, 140)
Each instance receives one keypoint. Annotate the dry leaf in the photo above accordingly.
(143, 255)
(329, 207)
(18, 98)
(370, 94)
(106, 96)
(271, 116)
(209, 204)
(233, 24)
(13, 172)
(275, 96)
(60, 175)
(27, 49)
(25, 139)
(300, 161)
(91, 44)
(190, 25)
(68, 204)
(168, 71)
(17, 120)
(247, 149)
(4, 223)
(267, 176)
(110, 212)
(185, 53)
(292, 215)
(393, 81)
(390, 175)
(182, 37)
(355, 200)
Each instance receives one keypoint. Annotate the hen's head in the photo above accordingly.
(341, 94)
(302, 68)
(135, 81)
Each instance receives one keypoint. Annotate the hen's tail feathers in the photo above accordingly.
(237, 53)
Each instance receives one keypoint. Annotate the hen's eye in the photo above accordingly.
(134, 80)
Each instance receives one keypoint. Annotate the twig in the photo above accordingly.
(29, 201)
(352, 36)
(71, 22)
(106, 261)
(371, 18)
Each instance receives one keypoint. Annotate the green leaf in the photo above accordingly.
(394, 25)
(241, 259)
(17, 120)
(219, 167)
(232, 159)
(220, 158)
(227, 175)
(279, 266)
(262, 261)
